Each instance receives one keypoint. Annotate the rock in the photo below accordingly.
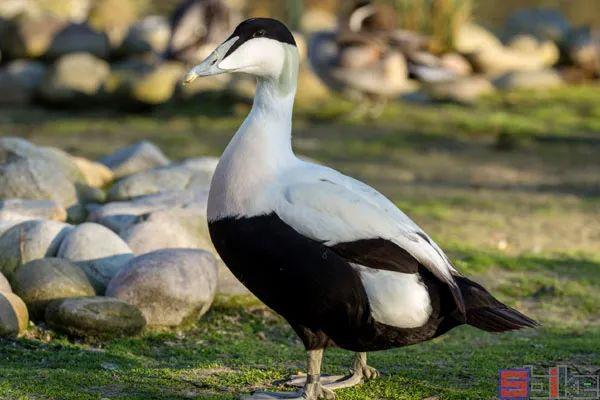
(148, 35)
(472, 38)
(5, 225)
(14, 148)
(135, 158)
(115, 17)
(29, 36)
(169, 229)
(138, 83)
(17, 209)
(544, 24)
(171, 287)
(495, 61)
(38, 282)
(19, 80)
(97, 250)
(10, 9)
(164, 179)
(100, 317)
(73, 78)
(95, 174)
(36, 179)
(14, 318)
(584, 50)
(118, 216)
(462, 90)
(544, 79)
(78, 38)
(4, 285)
(72, 10)
(29, 241)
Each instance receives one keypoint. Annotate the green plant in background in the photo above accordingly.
(439, 19)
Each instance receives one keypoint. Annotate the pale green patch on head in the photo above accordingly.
(288, 79)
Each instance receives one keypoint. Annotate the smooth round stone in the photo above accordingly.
(137, 157)
(29, 241)
(97, 250)
(13, 315)
(4, 285)
(40, 281)
(94, 317)
(31, 209)
(171, 286)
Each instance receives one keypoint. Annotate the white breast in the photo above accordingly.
(396, 299)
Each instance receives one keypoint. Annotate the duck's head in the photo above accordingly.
(263, 47)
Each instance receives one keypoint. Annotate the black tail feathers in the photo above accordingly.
(487, 313)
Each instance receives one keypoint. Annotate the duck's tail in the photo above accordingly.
(485, 312)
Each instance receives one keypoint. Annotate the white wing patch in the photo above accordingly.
(396, 299)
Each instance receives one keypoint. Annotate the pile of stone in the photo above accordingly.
(105, 248)
(82, 53)
(536, 49)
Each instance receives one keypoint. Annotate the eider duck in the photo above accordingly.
(333, 256)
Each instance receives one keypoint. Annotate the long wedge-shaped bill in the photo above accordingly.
(210, 66)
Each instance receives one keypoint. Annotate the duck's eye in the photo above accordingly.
(259, 33)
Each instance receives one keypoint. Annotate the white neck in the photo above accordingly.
(261, 148)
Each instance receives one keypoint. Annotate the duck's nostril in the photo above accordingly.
(213, 62)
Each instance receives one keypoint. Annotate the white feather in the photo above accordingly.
(396, 299)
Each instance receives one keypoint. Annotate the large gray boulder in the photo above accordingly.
(139, 83)
(14, 148)
(114, 17)
(29, 36)
(36, 179)
(4, 285)
(195, 173)
(40, 281)
(97, 250)
(78, 38)
(176, 228)
(148, 35)
(171, 287)
(19, 81)
(95, 174)
(74, 78)
(99, 317)
(18, 209)
(135, 158)
(583, 49)
(30, 241)
(120, 215)
(14, 318)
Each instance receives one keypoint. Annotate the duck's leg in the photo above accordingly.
(312, 389)
(359, 372)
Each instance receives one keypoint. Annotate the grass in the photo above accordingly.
(522, 216)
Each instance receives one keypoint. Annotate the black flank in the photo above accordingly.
(315, 289)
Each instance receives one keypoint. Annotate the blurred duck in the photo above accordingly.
(197, 26)
(361, 60)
